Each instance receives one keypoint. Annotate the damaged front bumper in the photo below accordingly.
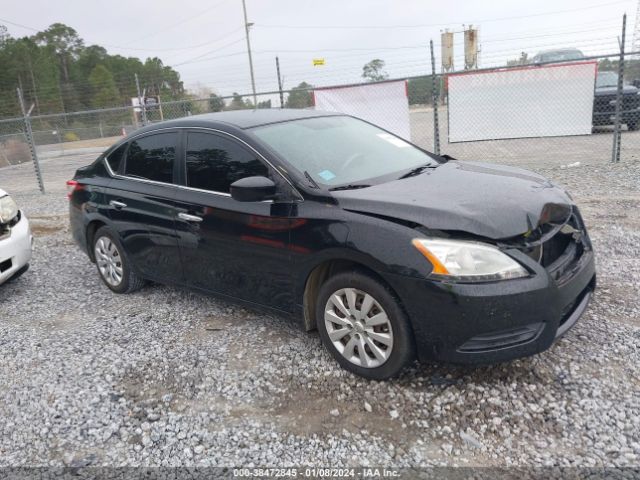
(497, 321)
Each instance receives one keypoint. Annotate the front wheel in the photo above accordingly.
(363, 326)
(632, 126)
(113, 264)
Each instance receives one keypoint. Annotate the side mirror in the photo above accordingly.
(253, 189)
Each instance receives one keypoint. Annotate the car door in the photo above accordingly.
(240, 249)
(141, 205)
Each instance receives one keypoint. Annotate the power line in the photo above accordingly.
(196, 59)
(19, 25)
(127, 84)
(180, 22)
(432, 25)
(187, 47)
(403, 47)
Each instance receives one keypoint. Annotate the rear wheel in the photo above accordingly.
(363, 326)
(113, 264)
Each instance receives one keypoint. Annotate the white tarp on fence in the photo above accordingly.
(532, 101)
(384, 104)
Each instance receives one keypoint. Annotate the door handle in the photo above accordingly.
(189, 218)
(117, 205)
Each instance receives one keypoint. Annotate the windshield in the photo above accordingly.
(341, 150)
(607, 79)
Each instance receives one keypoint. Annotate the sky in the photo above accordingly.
(205, 40)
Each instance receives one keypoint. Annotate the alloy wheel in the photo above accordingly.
(358, 327)
(109, 261)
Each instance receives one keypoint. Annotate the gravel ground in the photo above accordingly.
(168, 377)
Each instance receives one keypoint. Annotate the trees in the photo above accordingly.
(300, 96)
(58, 72)
(522, 60)
(4, 35)
(420, 89)
(237, 102)
(105, 92)
(216, 103)
(161, 80)
(264, 104)
(373, 71)
(64, 41)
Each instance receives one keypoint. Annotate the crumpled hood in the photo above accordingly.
(492, 201)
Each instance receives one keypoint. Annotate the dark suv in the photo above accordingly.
(388, 250)
(604, 103)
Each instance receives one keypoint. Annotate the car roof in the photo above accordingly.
(242, 118)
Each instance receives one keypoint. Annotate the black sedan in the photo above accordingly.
(390, 251)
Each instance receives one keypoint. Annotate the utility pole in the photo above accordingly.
(279, 83)
(143, 110)
(246, 29)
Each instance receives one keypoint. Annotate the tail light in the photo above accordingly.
(72, 185)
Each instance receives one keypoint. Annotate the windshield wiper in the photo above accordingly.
(349, 187)
(417, 170)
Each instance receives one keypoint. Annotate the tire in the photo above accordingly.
(113, 264)
(363, 329)
(632, 126)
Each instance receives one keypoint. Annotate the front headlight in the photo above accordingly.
(8, 209)
(468, 261)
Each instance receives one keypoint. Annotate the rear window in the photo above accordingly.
(114, 159)
(152, 157)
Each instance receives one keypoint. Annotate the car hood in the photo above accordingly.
(483, 199)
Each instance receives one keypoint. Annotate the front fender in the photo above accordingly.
(379, 245)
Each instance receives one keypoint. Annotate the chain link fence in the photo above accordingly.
(540, 113)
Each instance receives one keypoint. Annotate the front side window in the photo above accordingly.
(214, 162)
(115, 158)
(340, 150)
(152, 157)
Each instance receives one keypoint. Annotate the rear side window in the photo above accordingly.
(115, 158)
(152, 157)
(214, 162)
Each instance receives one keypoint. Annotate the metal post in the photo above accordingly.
(143, 110)
(246, 29)
(434, 97)
(280, 83)
(617, 134)
(160, 107)
(30, 141)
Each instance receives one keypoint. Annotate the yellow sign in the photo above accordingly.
(318, 62)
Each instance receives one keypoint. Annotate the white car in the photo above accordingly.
(15, 239)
